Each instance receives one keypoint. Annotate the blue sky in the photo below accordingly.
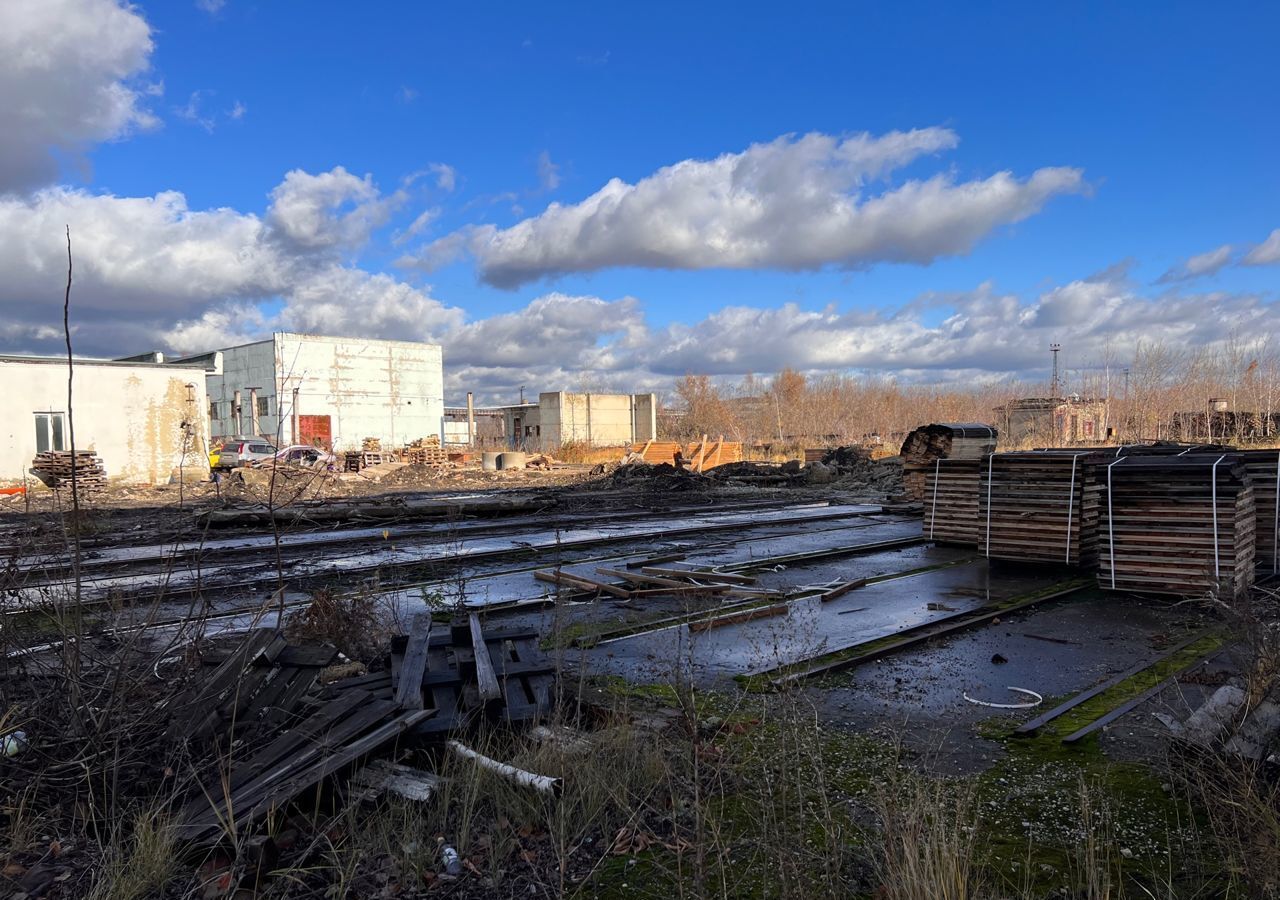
(1166, 114)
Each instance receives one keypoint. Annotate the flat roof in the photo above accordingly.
(92, 361)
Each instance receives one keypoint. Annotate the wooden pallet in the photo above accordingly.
(54, 468)
(448, 678)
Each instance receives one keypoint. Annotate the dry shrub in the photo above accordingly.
(928, 840)
(358, 624)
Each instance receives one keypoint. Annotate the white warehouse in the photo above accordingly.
(143, 419)
(330, 391)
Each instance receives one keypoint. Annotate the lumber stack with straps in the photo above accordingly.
(53, 467)
(951, 501)
(1263, 467)
(1182, 525)
(947, 440)
(1039, 506)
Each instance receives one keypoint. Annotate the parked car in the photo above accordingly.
(307, 455)
(244, 452)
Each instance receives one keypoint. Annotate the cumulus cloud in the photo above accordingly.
(331, 209)
(797, 203)
(1265, 254)
(69, 73)
(1198, 266)
(152, 270)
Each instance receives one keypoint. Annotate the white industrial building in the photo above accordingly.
(330, 391)
(142, 418)
(597, 420)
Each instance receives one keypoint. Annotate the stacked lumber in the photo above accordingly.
(53, 467)
(371, 445)
(1263, 467)
(948, 440)
(1040, 507)
(1182, 525)
(951, 501)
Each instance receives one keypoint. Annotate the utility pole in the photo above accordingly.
(1054, 348)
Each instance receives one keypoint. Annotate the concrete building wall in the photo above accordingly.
(601, 420)
(391, 390)
(142, 420)
(244, 367)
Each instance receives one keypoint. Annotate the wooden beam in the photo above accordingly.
(581, 582)
(841, 589)
(726, 577)
(408, 689)
(486, 680)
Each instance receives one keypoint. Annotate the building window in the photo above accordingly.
(50, 431)
(213, 409)
(264, 407)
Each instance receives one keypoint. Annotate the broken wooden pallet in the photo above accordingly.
(517, 677)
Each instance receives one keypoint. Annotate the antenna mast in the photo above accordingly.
(1054, 348)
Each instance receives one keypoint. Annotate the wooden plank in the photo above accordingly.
(1044, 719)
(408, 689)
(842, 589)
(727, 577)
(1137, 701)
(486, 680)
(640, 578)
(761, 612)
(581, 582)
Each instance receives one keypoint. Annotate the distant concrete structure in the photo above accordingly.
(561, 417)
(143, 418)
(1051, 421)
(328, 391)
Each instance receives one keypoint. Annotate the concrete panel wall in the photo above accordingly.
(132, 415)
(391, 390)
(250, 365)
(601, 420)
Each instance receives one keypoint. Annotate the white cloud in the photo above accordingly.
(193, 111)
(548, 172)
(407, 94)
(1200, 265)
(328, 210)
(1265, 254)
(793, 203)
(237, 111)
(446, 176)
(212, 7)
(68, 76)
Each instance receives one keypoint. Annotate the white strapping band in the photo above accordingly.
(990, 461)
(1071, 503)
(933, 513)
(1214, 478)
(1111, 524)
